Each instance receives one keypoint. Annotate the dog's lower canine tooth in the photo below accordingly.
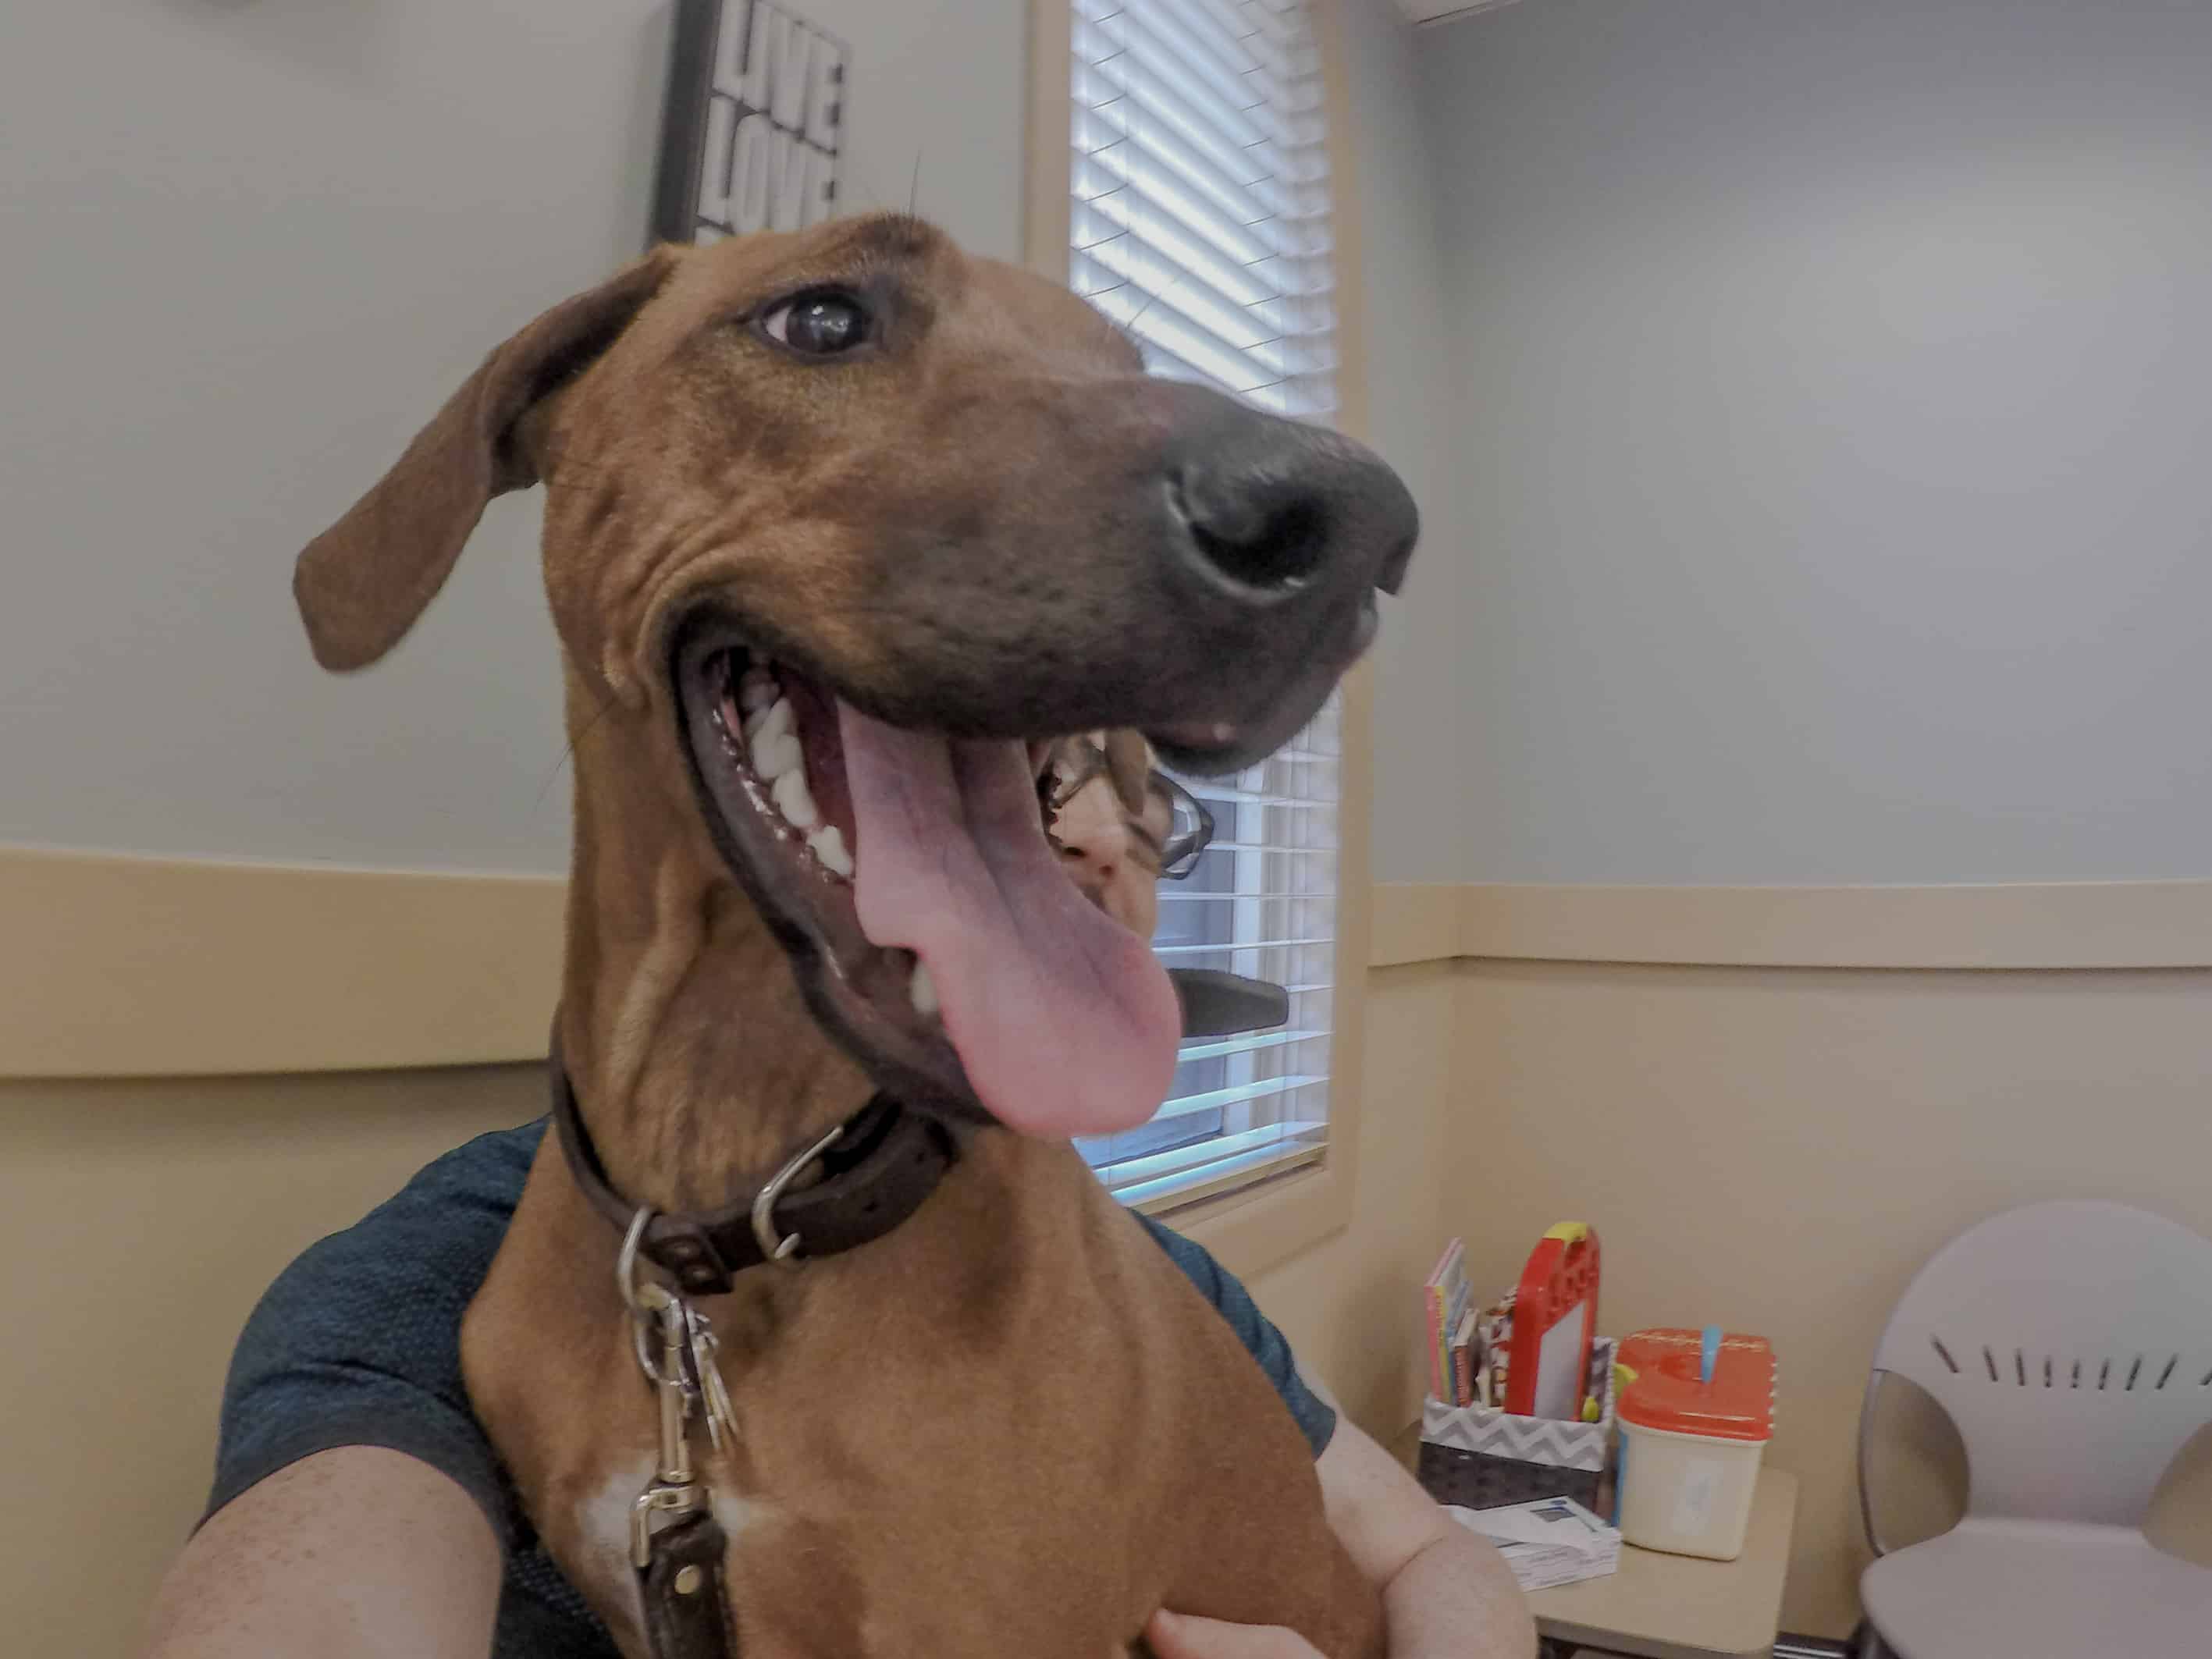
(756, 689)
(922, 990)
(828, 844)
(794, 801)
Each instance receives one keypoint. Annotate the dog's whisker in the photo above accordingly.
(568, 754)
(1156, 297)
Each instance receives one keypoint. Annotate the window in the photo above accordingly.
(1199, 220)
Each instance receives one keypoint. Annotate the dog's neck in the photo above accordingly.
(697, 1064)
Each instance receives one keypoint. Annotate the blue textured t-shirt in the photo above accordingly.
(358, 1343)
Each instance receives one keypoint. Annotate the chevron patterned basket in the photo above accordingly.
(1480, 1457)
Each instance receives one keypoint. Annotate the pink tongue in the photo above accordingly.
(1063, 1018)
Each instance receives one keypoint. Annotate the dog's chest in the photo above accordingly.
(958, 1447)
(801, 1587)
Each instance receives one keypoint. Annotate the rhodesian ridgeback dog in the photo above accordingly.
(842, 530)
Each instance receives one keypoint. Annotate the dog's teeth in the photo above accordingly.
(774, 753)
(828, 844)
(794, 799)
(756, 689)
(775, 718)
(922, 990)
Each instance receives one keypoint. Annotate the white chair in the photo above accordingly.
(2071, 1344)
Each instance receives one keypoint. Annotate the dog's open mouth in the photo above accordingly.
(932, 924)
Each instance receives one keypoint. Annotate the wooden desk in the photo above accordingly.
(1677, 1607)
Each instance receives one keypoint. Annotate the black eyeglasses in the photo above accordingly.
(1190, 826)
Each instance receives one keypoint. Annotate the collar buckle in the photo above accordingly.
(781, 1249)
(878, 1167)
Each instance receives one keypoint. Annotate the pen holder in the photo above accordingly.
(1480, 1457)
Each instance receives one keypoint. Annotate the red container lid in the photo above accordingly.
(1667, 1393)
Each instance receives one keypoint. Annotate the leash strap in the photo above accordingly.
(877, 1168)
(687, 1604)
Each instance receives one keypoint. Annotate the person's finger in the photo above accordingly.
(1181, 1636)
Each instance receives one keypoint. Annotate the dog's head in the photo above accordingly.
(845, 529)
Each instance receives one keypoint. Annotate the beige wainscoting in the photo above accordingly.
(140, 1220)
(1350, 1305)
(1777, 1147)
(151, 967)
(2001, 925)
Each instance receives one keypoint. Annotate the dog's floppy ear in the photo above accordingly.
(362, 582)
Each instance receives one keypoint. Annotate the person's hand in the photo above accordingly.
(1178, 1636)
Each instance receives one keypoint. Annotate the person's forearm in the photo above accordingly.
(1456, 1600)
(356, 1552)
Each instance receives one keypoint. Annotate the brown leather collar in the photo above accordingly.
(886, 1159)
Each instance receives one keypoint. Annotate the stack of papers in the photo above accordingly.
(1553, 1540)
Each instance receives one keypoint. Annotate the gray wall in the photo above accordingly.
(1830, 439)
(248, 248)
(1421, 779)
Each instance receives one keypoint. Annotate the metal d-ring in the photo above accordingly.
(778, 1247)
(641, 1297)
(645, 1299)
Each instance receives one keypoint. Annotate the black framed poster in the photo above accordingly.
(754, 123)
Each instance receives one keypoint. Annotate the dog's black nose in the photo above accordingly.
(1252, 522)
(1270, 507)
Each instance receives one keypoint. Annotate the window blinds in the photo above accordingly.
(1200, 222)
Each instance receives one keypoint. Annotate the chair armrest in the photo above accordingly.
(1875, 1378)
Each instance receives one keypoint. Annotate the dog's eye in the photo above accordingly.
(818, 324)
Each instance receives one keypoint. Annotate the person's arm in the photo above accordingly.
(1446, 1593)
(1445, 1590)
(261, 1579)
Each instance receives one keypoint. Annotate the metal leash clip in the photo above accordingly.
(675, 1346)
(710, 1391)
(674, 1491)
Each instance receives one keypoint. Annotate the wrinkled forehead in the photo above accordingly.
(984, 303)
(839, 251)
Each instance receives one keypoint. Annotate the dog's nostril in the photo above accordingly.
(1262, 532)
(1393, 576)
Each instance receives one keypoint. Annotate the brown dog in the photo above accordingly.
(851, 506)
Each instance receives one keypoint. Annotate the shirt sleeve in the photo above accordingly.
(358, 1341)
(1314, 1416)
